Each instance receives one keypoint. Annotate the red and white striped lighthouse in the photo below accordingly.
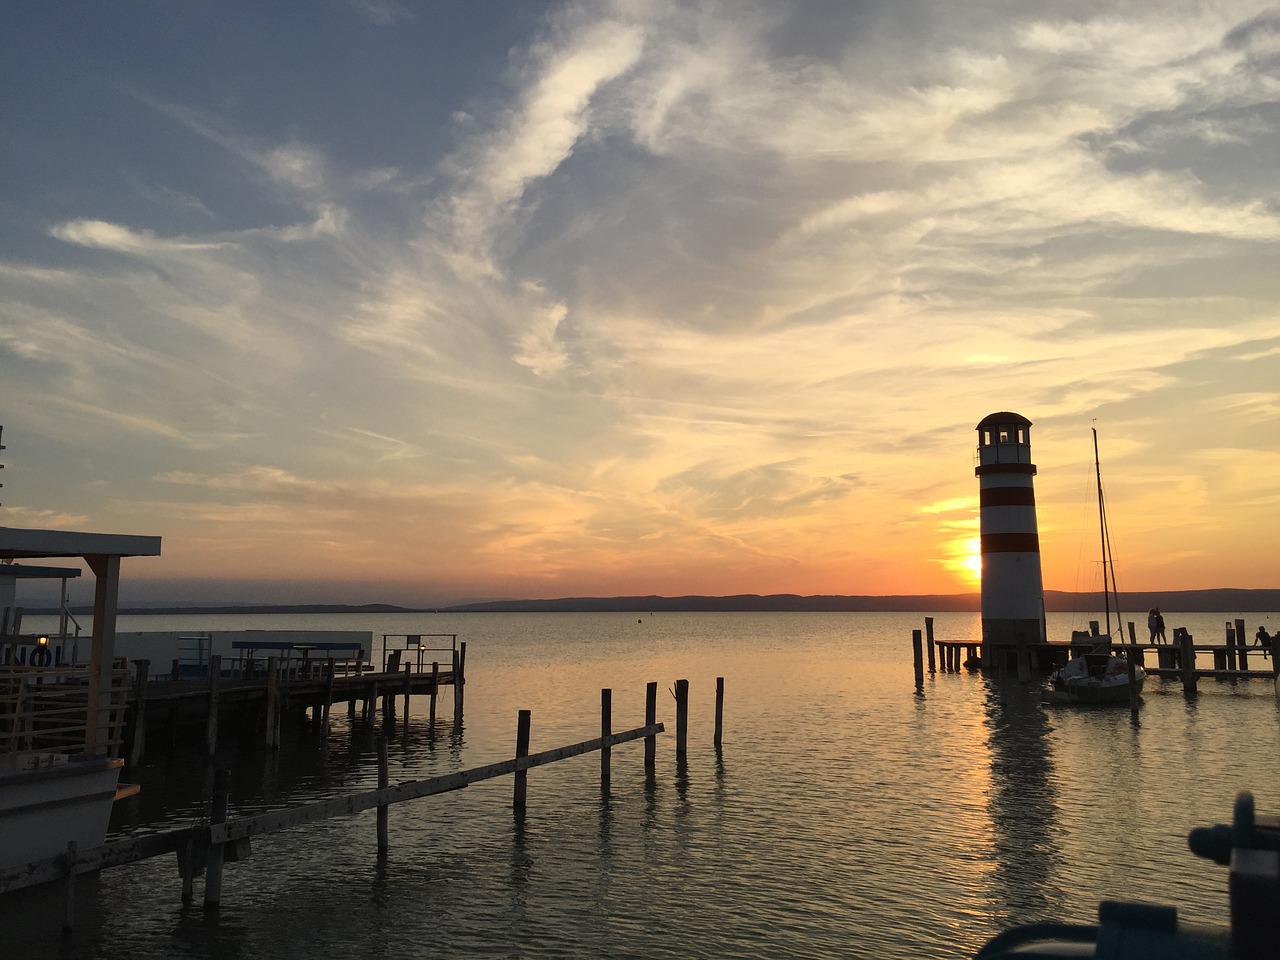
(1012, 587)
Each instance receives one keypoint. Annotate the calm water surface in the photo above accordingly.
(846, 815)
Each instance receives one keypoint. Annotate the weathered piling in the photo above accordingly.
(435, 686)
(650, 718)
(1242, 642)
(917, 651)
(682, 719)
(217, 815)
(715, 740)
(928, 643)
(520, 788)
(139, 742)
(606, 728)
(408, 685)
(211, 719)
(272, 731)
(459, 680)
(384, 780)
(1188, 656)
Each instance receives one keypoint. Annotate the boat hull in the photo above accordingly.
(45, 806)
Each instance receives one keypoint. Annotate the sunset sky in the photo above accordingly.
(417, 302)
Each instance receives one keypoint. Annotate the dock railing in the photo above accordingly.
(415, 650)
(45, 708)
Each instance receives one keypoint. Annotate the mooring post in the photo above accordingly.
(650, 718)
(719, 710)
(69, 892)
(211, 721)
(1231, 646)
(522, 773)
(682, 719)
(384, 780)
(917, 652)
(328, 696)
(435, 686)
(459, 681)
(142, 669)
(1242, 642)
(1133, 686)
(606, 728)
(1188, 664)
(408, 680)
(217, 815)
(928, 642)
(272, 737)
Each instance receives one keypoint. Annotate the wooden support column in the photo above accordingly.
(917, 656)
(606, 728)
(97, 735)
(521, 785)
(435, 687)
(459, 681)
(929, 643)
(271, 735)
(719, 711)
(69, 892)
(682, 719)
(650, 718)
(384, 781)
(142, 670)
(1243, 643)
(1188, 664)
(408, 680)
(328, 696)
(211, 720)
(217, 815)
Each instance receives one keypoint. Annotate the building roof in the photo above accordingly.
(992, 419)
(17, 543)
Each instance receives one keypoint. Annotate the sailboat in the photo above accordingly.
(1099, 676)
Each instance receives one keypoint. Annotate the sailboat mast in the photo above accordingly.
(1108, 587)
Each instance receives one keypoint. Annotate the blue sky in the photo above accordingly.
(418, 302)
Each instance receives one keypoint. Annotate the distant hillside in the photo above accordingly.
(1187, 601)
(1180, 601)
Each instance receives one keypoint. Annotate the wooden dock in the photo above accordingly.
(1176, 660)
(254, 700)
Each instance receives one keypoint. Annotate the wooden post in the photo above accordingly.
(384, 781)
(142, 669)
(1024, 666)
(917, 652)
(1188, 664)
(272, 735)
(211, 722)
(408, 679)
(217, 814)
(435, 686)
(69, 892)
(606, 728)
(719, 710)
(650, 718)
(1231, 646)
(328, 696)
(1243, 643)
(522, 750)
(1133, 685)
(459, 681)
(682, 719)
(928, 642)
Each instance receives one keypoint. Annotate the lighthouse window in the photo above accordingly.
(1004, 434)
(986, 438)
(1022, 435)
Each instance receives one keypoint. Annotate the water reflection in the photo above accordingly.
(1023, 804)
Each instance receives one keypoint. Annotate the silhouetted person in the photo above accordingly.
(1263, 639)
(1160, 637)
(1151, 622)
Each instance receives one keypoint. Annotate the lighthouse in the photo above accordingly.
(1012, 587)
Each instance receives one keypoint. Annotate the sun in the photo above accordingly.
(965, 560)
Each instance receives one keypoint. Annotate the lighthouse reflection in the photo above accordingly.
(1023, 806)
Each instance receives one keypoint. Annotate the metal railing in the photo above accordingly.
(416, 649)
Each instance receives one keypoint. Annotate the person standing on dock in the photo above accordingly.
(1151, 622)
(1160, 637)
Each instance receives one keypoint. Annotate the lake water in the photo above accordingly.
(846, 814)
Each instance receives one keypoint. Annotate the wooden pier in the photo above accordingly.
(253, 696)
(1176, 660)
